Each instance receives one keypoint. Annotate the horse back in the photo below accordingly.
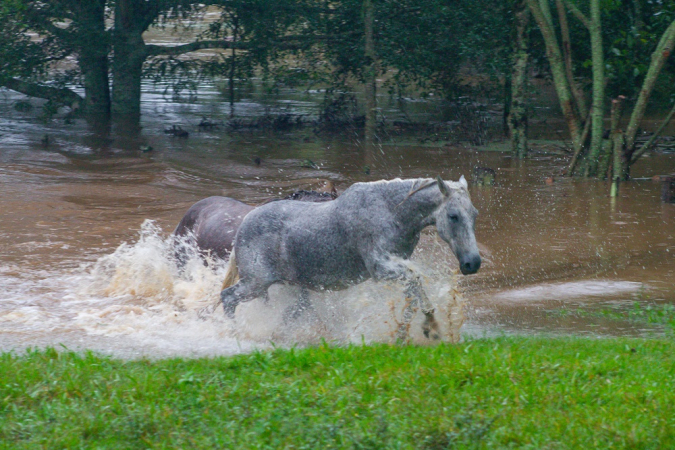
(214, 222)
(315, 245)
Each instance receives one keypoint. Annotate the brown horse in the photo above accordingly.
(213, 222)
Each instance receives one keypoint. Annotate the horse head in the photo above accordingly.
(455, 222)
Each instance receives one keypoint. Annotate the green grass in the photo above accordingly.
(651, 313)
(516, 392)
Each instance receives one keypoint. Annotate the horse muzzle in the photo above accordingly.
(470, 264)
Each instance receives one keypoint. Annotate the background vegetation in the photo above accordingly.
(596, 53)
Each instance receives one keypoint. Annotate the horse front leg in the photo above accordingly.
(301, 305)
(389, 269)
(240, 292)
(415, 293)
(416, 297)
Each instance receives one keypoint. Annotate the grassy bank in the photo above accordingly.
(492, 393)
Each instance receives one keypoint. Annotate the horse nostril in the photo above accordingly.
(470, 266)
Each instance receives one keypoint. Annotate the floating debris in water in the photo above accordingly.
(177, 131)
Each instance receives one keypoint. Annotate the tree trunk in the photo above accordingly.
(370, 73)
(556, 61)
(598, 112)
(233, 65)
(93, 47)
(96, 87)
(577, 151)
(129, 55)
(127, 71)
(613, 162)
(517, 119)
(567, 53)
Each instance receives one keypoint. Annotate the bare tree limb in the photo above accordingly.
(62, 96)
(647, 145)
(282, 43)
(165, 50)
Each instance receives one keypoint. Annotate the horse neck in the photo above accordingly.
(414, 210)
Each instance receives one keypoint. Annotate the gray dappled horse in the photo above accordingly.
(212, 223)
(368, 232)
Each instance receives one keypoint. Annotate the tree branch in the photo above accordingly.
(576, 12)
(40, 20)
(545, 9)
(580, 146)
(61, 96)
(165, 50)
(567, 53)
(647, 145)
(659, 57)
(282, 43)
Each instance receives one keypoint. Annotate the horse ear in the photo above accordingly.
(463, 182)
(441, 185)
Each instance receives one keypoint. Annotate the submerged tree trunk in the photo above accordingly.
(517, 119)
(130, 52)
(77, 28)
(96, 87)
(598, 112)
(370, 73)
(93, 48)
(612, 163)
(233, 67)
(127, 72)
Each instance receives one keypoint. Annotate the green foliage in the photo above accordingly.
(418, 44)
(488, 393)
(631, 29)
(423, 44)
(21, 57)
(447, 47)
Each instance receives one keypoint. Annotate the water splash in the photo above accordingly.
(139, 300)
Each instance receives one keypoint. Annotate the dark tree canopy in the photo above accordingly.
(417, 46)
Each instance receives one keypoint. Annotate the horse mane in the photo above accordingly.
(303, 195)
(413, 190)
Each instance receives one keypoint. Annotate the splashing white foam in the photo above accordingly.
(137, 300)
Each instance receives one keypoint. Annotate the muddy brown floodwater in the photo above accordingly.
(85, 260)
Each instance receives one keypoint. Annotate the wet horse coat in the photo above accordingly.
(368, 232)
(213, 222)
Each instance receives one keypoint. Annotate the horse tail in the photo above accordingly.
(232, 273)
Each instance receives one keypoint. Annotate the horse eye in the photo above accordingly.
(454, 218)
